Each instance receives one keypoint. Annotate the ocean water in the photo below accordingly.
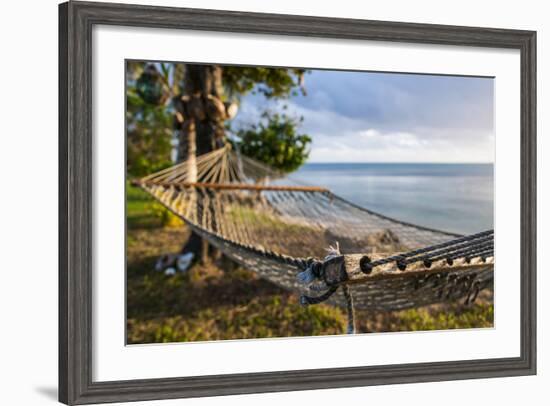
(450, 197)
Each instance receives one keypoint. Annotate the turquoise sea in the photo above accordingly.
(451, 197)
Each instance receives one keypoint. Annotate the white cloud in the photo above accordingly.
(390, 118)
(372, 145)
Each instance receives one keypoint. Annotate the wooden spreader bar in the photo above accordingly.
(345, 269)
(236, 186)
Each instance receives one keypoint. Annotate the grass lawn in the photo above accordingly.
(210, 303)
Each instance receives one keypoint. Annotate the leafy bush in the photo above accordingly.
(275, 141)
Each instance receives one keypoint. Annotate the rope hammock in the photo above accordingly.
(308, 240)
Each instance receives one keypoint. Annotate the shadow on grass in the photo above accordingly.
(153, 294)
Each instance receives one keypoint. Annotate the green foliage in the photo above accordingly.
(150, 87)
(148, 124)
(271, 82)
(150, 115)
(275, 141)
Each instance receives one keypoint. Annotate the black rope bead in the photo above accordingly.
(365, 265)
(401, 265)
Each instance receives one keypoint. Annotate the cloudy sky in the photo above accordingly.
(381, 117)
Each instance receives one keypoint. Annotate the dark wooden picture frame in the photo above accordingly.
(76, 20)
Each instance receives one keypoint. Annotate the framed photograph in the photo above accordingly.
(259, 202)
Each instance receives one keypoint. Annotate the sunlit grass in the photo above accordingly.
(143, 212)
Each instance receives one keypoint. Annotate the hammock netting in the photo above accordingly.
(306, 239)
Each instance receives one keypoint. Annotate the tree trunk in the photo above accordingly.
(200, 116)
(201, 104)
